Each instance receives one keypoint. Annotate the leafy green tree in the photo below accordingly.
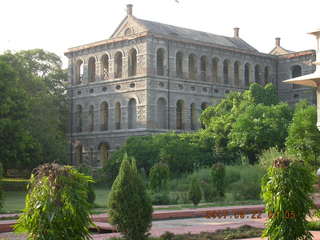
(44, 113)
(130, 208)
(218, 174)
(303, 139)
(159, 176)
(17, 146)
(56, 205)
(195, 194)
(260, 127)
(286, 190)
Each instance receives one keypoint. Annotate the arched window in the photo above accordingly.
(132, 68)
(226, 71)
(104, 153)
(118, 116)
(91, 155)
(132, 113)
(92, 69)
(162, 113)
(160, 62)
(193, 116)
(78, 155)
(180, 115)
(91, 118)
(215, 62)
(266, 75)
(118, 65)
(204, 105)
(79, 71)
(104, 116)
(257, 73)
(179, 64)
(296, 71)
(247, 74)
(79, 118)
(192, 67)
(236, 73)
(203, 68)
(105, 67)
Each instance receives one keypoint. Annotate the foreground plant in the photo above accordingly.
(57, 205)
(130, 208)
(286, 191)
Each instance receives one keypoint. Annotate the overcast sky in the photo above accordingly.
(56, 25)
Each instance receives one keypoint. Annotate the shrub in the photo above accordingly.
(1, 195)
(218, 174)
(286, 192)
(195, 192)
(232, 174)
(159, 175)
(160, 198)
(88, 171)
(129, 205)
(209, 192)
(56, 204)
(248, 186)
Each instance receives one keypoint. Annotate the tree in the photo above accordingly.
(286, 190)
(159, 176)
(17, 146)
(260, 127)
(56, 204)
(218, 174)
(195, 194)
(303, 139)
(43, 109)
(130, 208)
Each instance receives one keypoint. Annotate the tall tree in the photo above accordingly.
(304, 137)
(41, 81)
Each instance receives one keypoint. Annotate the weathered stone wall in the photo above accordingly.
(146, 87)
(292, 93)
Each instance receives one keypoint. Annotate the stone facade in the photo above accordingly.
(150, 78)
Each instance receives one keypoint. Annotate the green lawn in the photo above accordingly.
(13, 201)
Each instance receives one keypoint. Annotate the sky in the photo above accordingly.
(56, 25)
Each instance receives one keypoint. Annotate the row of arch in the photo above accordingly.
(211, 68)
(105, 67)
(161, 117)
(206, 68)
(96, 161)
(105, 117)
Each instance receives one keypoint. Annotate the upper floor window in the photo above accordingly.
(236, 70)
(105, 67)
(118, 65)
(203, 68)
(132, 62)
(296, 71)
(92, 69)
(179, 64)
(247, 74)
(215, 62)
(266, 75)
(257, 73)
(226, 71)
(160, 62)
(79, 71)
(192, 67)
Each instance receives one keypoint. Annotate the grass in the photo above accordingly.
(13, 201)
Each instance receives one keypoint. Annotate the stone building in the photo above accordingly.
(150, 78)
